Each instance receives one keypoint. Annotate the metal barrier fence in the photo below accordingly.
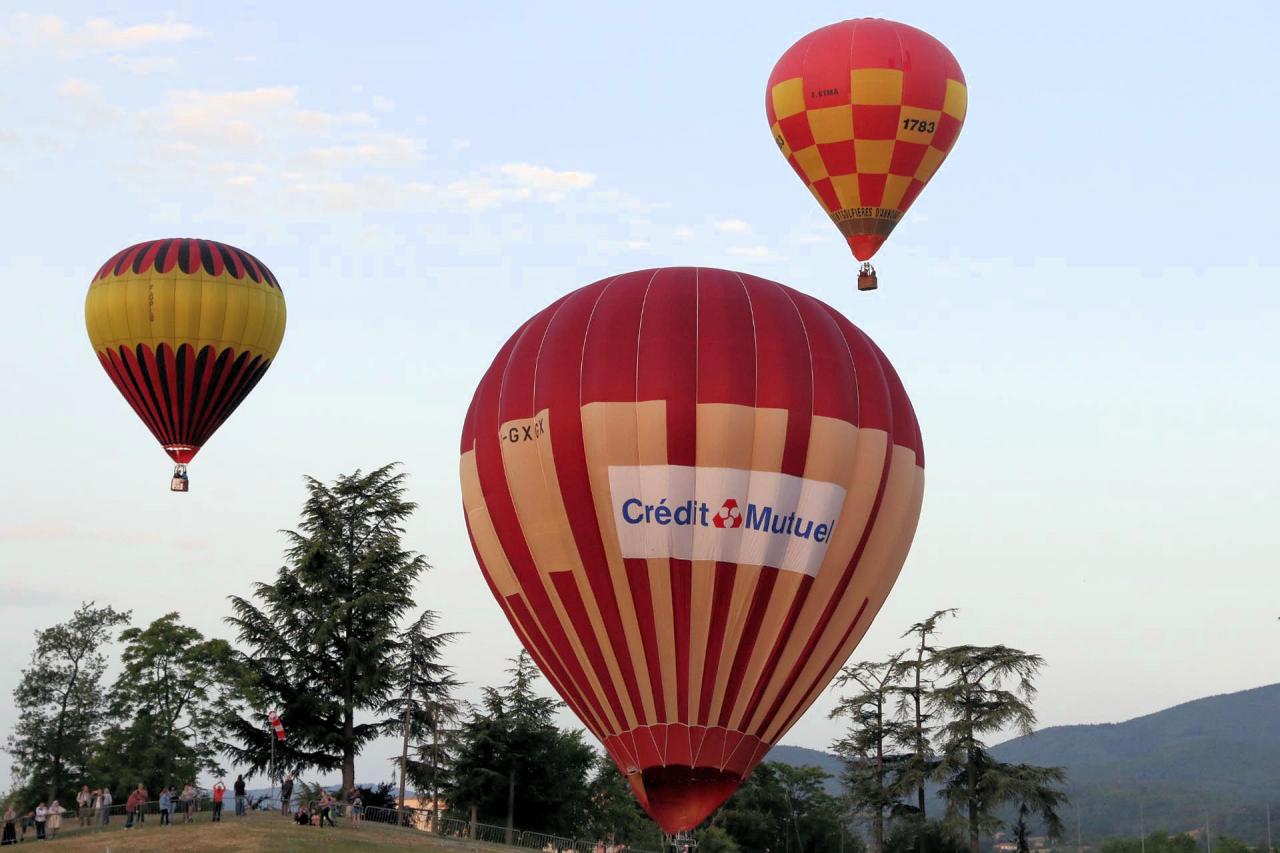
(449, 827)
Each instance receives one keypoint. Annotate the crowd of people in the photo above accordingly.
(323, 810)
(46, 820)
(96, 806)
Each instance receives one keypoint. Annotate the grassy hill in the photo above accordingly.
(1220, 755)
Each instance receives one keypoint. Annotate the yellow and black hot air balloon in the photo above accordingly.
(185, 328)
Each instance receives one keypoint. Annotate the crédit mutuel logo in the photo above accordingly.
(727, 514)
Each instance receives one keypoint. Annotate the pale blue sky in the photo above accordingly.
(1082, 304)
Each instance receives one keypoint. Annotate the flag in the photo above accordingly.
(276, 724)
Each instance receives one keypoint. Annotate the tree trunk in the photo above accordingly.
(920, 752)
(877, 826)
(974, 827)
(55, 780)
(435, 773)
(348, 749)
(971, 774)
(511, 806)
(404, 752)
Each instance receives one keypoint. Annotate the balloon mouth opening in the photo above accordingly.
(865, 245)
(181, 453)
(680, 797)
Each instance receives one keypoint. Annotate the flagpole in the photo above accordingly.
(271, 733)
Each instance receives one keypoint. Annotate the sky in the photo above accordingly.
(1082, 305)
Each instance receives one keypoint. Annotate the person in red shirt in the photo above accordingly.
(131, 806)
(218, 790)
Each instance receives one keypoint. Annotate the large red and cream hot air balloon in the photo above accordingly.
(185, 328)
(865, 111)
(690, 490)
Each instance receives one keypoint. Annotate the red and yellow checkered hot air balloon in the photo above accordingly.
(865, 111)
(690, 490)
(185, 328)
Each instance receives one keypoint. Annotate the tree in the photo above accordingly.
(173, 692)
(425, 687)
(322, 636)
(613, 814)
(1156, 842)
(713, 839)
(514, 763)
(871, 770)
(925, 836)
(60, 701)
(785, 808)
(1020, 830)
(431, 762)
(920, 767)
(985, 690)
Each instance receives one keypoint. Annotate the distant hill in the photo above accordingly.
(1220, 754)
(799, 756)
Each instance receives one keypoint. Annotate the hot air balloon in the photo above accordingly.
(865, 111)
(690, 491)
(185, 328)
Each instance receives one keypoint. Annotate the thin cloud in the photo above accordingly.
(386, 149)
(144, 64)
(731, 226)
(546, 178)
(516, 182)
(50, 32)
(86, 101)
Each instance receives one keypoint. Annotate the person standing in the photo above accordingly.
(131, 808)
(144, 797)
(84, 801)
(286, 794)
(327, 803)
(219, 790)
(189, 800)
(10, 831)
(166, 805)
(357, 807)
(55, 818)
(104, 807)
(240, 795)
(42, 815)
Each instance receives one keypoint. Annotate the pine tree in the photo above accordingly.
(424, 696)
(321, 637)
(984, 690)
(871, 767)
(514, 763)
(921, 766)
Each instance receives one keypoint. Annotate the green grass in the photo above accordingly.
(257, 833)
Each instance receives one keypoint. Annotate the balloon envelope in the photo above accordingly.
(185, 328)
(690, 490)
(865, 111)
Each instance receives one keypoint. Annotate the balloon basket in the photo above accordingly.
(867, 277)
(682, 842)
(180, 482)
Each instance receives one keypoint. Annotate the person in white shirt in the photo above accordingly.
(104, 807)
(42, 814)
